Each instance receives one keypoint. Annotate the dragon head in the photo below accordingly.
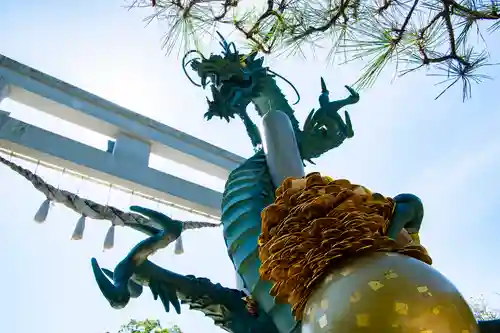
(232, 78)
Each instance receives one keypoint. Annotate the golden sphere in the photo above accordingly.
(387, 293)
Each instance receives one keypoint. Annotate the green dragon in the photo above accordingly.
(237, 80)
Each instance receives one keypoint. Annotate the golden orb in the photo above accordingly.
(387, 293)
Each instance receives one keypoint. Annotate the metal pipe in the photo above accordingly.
(280, 147)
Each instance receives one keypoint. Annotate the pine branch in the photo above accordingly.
(385, 31)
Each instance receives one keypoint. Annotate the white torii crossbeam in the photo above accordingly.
(136, 137)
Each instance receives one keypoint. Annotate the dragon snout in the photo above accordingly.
(118, 296)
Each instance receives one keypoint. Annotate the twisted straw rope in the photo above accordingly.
(316, 225)
(88, 207)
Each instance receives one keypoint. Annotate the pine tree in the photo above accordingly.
(411, 34)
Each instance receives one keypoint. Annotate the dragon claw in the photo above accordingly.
(208, 116)
(323, 86)
(408, 214)
(348, 125)
(117, 296)
(353, 93)
(166, 295)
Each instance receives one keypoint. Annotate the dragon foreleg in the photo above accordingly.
(119, 291)
(408, 214)
(324, 128)
(229, 308)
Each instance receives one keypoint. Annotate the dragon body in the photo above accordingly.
(236, 81)
(247, 192)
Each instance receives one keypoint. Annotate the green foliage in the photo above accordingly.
(147, 326)
(481, 309)
(411, 34)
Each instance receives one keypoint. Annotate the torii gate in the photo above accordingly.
(135, 137)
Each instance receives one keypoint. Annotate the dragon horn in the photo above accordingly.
(223, 43)
(115, 297)
(220, 36)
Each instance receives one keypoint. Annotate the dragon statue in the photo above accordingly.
(258, 188)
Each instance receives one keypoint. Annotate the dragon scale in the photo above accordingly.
(247, 192)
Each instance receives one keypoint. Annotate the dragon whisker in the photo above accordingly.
(289, 83)
(186, 63)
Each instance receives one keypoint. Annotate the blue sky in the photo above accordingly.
(445, 151)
